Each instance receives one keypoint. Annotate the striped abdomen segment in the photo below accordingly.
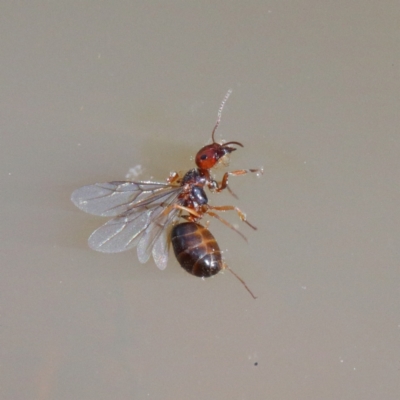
(196, 249)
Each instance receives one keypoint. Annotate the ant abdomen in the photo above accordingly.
(196, 249)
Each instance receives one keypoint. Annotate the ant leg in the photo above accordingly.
(240, 280)
(189, 210)
(231, 192)
(224, 182)
(229, 225)
(241, 214)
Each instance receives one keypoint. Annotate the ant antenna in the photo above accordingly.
(242, 281)
(228, 93)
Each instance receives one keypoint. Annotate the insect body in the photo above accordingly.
(145, 212)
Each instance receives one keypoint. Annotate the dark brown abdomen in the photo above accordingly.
(196, 249)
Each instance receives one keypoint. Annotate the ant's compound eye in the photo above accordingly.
(203, 157)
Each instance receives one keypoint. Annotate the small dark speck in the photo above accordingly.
(255, 364)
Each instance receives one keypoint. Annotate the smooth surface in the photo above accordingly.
(90, 89)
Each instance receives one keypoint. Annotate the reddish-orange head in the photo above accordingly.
(208, 156)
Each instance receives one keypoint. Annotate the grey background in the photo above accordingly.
(90, 89)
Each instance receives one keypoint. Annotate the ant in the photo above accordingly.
(146, 214)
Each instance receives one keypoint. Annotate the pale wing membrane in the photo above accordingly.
(120, 233)
(155, 239)
(160, 249)
(111, 199)
(125, 231)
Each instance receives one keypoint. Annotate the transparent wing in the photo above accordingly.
(136, 224)
(140, 217)
(120, 233)
(112, 199)
(155, 239)
(161, 248)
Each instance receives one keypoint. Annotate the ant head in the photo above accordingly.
(208, 156)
